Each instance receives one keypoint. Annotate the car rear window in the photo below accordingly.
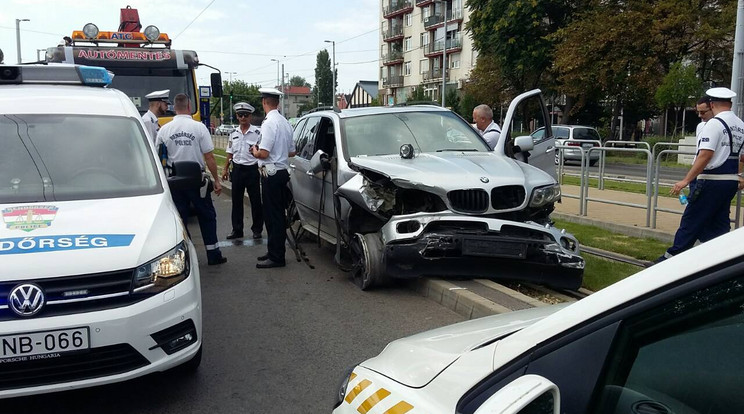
(585, 133)
(382, 134)
(74, 157)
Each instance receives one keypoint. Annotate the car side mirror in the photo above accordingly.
(185, 175)
(319, 162)
(523, 143)
(526, 394)
(216, 82)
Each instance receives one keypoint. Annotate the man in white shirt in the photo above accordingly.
(189, 140)
(272, 152)
(158, 104)
(245, 174)
(713, 177)
(483, 118)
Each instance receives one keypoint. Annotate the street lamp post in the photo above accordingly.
(333, 71)
(18, 36)
(280, 83)
(231, 89)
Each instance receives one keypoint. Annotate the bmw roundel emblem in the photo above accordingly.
(26, 299)
(484, 179)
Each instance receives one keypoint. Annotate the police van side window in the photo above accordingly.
(20, 179)
(307, 138)
(685, 356)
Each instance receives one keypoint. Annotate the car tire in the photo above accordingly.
(367, 271)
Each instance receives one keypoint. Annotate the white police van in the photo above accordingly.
(666, 340)
(98, 280)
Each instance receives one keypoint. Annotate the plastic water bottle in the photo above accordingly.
(682, 198)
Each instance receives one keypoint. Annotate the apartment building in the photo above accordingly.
(416, 37)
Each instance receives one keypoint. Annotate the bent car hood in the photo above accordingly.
(61, 238)
(416, 360)
(446, 170)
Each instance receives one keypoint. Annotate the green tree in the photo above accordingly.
(298, 81)
(679, 89)
(418, 95)
(323, 90)
(467, 104)
(452, 100)
(486, 84)
(240, 92)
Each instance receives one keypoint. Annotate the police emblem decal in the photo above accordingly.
(29, 218)
(26, 300)
(484, 179)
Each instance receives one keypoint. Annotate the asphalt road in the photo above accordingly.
(275, 340)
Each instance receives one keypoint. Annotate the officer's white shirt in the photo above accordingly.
(151, 125)
(276, 137)
(698, 129)
(491, 134)
(185, 139)
(239, 145)
(714, 137)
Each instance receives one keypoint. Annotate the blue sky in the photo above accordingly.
(234, 36)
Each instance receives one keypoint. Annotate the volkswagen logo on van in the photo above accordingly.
(26, 300)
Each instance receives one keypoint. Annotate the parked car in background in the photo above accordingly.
(568, 135)
(225, 129)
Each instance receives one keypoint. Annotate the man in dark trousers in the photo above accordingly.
(272, 152)
(189, 140)
(245, 174)
(713, 177)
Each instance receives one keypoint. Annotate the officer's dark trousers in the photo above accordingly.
(204, 213)
(246, 177)
(706, 216)
(274, 204)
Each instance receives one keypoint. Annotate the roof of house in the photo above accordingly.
(297, 90)
(370, 87)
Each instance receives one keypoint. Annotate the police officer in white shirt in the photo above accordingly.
(245, 174)
(483, 118)
(705, 114)
(189, 140)
(713, 177)
(272, 152)
(158, 105)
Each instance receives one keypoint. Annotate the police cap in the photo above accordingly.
(243, 107)
(268, 92)
(720, 94)
(159, 96)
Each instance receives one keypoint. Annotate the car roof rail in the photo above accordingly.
(414, 103)
(320, 108)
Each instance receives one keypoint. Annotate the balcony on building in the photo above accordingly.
(392, 81)
(392, 58)
(432, 76)
(393, 34)
(422, 3)
(396, 7)
(453, 45)
(432, 21)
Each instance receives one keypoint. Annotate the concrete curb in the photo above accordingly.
(632, 231)
(460, 300)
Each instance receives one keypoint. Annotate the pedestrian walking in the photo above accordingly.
(189, 140)
(483, 118)
(272, 152)
(158, 104)
(713, 177)
(245, 174)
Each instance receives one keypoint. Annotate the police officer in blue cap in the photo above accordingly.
(713, 178)
(272, 153)
(245, 174)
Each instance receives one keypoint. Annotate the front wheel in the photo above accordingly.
(366, 254)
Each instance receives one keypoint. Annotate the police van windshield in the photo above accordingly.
(138, 82)
(382, 134)
(74, 157)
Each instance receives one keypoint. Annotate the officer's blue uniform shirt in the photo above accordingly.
(714, 137)
(276, 138)
(151, 125)
(185, 139)
(239, 145)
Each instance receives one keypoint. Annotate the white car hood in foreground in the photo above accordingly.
(48, 239)
(416, 360)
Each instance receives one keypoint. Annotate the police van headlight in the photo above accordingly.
(341, 390)
(163, 272)
(545, 195)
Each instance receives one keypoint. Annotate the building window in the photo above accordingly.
(407, 44)
(424, 39)
(454, 61)
(409, 20)
(407, 68)
(423, 66)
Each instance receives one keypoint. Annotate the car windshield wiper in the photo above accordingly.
(457, 149)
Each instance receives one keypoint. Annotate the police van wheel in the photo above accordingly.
(366, 250)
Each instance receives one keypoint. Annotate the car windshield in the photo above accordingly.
(586, 133)
(382, 134)
(74, 157)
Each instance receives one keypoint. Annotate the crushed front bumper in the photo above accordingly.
(448, 244)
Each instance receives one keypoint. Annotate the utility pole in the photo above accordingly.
(737, 71)
(284, 110)
(333, 71)
(18, 36)
(231, 89)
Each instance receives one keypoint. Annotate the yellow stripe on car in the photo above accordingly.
(356, 390)
(370, 402)
(400, 408)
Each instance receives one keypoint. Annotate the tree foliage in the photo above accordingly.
(323, 90)
(298, 81)
(418, 95)
(240, 92)
(680, 88)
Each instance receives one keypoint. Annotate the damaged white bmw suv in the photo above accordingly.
(415, 191)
